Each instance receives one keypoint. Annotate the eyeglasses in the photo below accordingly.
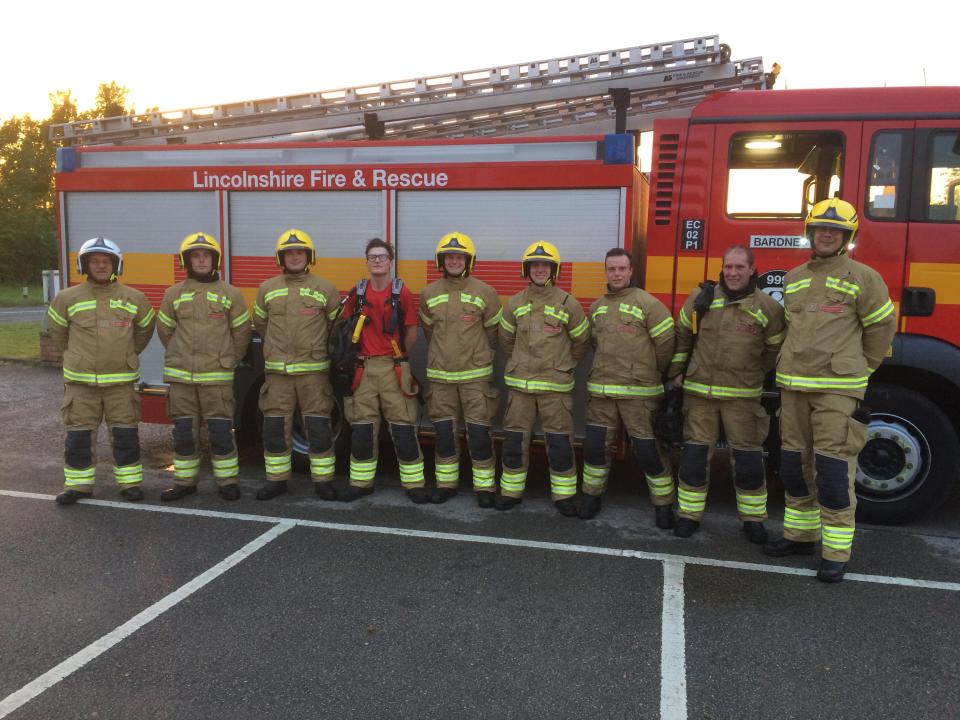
(378, 258)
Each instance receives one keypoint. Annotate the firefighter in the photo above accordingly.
(101, 326)
(728, 337)
(544, 332)
(840, 325)
(293, 314)
(460, 315)
(385, 320)
(205, 327)
(632, 334)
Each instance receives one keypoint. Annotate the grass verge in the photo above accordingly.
(12, 296)
(20, 341)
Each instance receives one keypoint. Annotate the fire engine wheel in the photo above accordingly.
(910, 461)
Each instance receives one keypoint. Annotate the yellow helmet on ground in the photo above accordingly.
(200, 241)
(540, 251)
(456, 242)
(833, 213)
(294, 239)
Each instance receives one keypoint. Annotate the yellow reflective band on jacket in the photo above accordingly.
(259, 311)
(661, 327)
(536, 385)
(147, 319)
(315, 294)
(473, 300)
(717, 303)
(424, 319)
(495, 320)
(757, 314)
(438, 300)
(56, 317)
(719, 391)
(222, 299)
(120, 304)
(819, 383)
(198, 377)
(273, 294)
(602, 310)
(579, 329)
(632, 310)
(166, 320)
(522, 310)
(879, 314)
(81, 307)
(776, 339)
(101, 378)
(462, 376)
(185, 297)
(680, 357)
(684, 320)
(240, 319)
(848, 288)
(561, 315)
(296, 368)
(624, 390)
(505, 324)
(798, 285)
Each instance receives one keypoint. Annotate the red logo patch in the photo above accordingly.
(309, 311)
(469, 319)
(216, 316)
(627, 329)
(120, 323)
(552, 329)
(832, 308)
(748, 328)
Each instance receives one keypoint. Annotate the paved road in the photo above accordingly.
(296, 608)
(21, 314)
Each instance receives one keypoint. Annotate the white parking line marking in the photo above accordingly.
(50, 678)
(506, 541)
(673, 646)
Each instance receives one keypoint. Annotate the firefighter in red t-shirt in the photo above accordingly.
(387, 331)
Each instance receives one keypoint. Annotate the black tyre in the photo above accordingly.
(910, 461)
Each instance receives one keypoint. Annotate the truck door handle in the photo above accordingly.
(918, 302)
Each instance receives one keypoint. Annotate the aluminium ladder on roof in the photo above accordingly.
(508, 99)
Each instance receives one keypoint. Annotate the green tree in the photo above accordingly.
(28, 234)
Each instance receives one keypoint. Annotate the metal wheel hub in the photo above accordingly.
(892, 459)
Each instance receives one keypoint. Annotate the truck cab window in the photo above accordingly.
(884, 173)
(944, 202)
(780, 175)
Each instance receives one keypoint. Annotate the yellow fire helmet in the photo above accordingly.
(200, 241)
(456, 242)
(833, 213)
(541, 251)
(294, 239)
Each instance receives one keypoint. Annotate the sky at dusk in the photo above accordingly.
(205, 53)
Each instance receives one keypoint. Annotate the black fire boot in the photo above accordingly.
(177, 492)
(271, 489)
(69, 497)
(486, 499)
(589, 506)
(441, 495)
(664, 516)
(505, 502)
(418, 495)
(230, 492)
(755, 532)
(831, 571)
(325, 490)
(784, 547)
(352, 492)
(132, 494)
(686, 527)
(566, 507)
